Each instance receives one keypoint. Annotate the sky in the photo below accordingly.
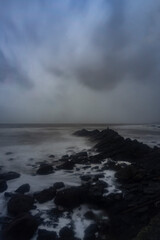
(79, 61)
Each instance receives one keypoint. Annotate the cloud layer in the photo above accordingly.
(79, 61)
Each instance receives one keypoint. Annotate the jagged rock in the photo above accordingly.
(45, 195)
(45, 169)
(68, 165)
(22, 227)
(46, 235)
(19, 204)
(23, 188)
(3, 186)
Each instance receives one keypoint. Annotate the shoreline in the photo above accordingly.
(135, 194)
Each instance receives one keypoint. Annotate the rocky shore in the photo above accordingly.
(130, 210)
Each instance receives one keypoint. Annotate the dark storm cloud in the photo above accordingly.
(75, 56)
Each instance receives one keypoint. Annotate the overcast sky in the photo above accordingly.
(80, 61)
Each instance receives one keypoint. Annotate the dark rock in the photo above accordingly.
(58, 185)
(46, 235)
(68, 165)
(81, 154)
(90, 232)
(45, 195)
(23, 188)
(90, 215)
(126, 173)
(71, 197)
(45, 169)
(19, 204)
(3, 186)
(51, 156)
(66, 233)
(86, 177)
(9, 176)
(22, 227)
(65, 157)
(9, 153)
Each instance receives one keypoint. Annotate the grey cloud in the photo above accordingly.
(10, 73)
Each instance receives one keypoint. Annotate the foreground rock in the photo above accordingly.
(23, 188)
(19, 204)
(45, 169)
(22, 227)
(45, 195)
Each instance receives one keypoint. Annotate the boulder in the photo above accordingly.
(9, 176)
(3, 186)
(46, 235)
(22, 227)
(71, 197)
(23, 188)
(19, 204)
(68, 165)
(45, 195)
(45, 169)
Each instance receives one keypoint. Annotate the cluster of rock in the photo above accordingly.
(128, 211)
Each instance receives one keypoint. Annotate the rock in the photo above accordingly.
(45, 169)
(19, 204)
(9, 176)
(46, 235)
(65, 157)
(3, 186)
(126, 173)
(51, 156)
(81, 154)
(86, 178)
(58, 185)
(22, 227)
(8, 194)
(90, 215)
(23, 188)
(9, 153)
(90, 232)
(45, 195)
(71, 197)
(66, 233)
(86, 133)
(68, 165)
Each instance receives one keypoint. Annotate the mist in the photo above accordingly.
(76, 61)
